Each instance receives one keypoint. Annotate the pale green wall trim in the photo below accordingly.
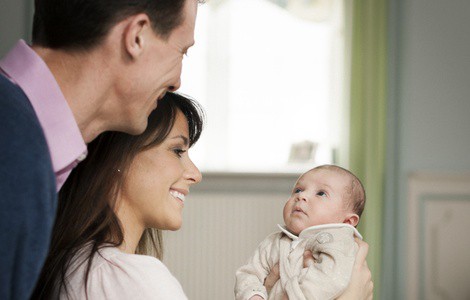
(369, 119)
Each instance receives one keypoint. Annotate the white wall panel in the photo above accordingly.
(438, 236)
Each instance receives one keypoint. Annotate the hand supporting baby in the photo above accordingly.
(360, 286)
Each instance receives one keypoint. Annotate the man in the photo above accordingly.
(93, 66)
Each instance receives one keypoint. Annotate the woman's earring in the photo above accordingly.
(119, 170)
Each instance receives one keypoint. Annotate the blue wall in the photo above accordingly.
(429, 111)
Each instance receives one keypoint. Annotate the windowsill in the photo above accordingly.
(246, 182)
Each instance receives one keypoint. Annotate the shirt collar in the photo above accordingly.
(27, 70)
(287, 232)
(315, 229)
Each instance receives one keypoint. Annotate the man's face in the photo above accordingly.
(157, 71)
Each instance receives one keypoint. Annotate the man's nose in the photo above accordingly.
(176, 86)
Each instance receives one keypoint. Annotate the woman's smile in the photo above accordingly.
(178, 195)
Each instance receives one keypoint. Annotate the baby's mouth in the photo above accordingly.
(298, 210)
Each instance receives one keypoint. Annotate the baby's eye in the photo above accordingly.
(321, 194)
(297, 190)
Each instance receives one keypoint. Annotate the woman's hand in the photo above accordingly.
(361, 285)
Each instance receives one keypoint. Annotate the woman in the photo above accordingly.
(114, 204)
(110, 203)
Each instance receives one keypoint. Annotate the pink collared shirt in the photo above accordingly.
(66, 145)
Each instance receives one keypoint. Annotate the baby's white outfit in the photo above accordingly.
(334, 251)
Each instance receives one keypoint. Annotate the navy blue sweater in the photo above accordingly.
(28, 196)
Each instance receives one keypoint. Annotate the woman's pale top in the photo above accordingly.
(118, 275)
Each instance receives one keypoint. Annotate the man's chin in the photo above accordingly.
(136, 129)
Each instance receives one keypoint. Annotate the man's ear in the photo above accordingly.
(135, 34)
(351, 219)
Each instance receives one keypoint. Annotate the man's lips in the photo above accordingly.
(158, 99)
(161, 96)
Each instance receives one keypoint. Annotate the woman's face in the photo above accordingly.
(158, 181)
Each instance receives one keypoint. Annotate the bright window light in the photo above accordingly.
(270, 83)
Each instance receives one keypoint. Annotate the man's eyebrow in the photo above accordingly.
(184, 138)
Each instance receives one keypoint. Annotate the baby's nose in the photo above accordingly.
(300, 197)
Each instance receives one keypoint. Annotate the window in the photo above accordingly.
(270, 76)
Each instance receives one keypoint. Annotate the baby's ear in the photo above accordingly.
(351, 219)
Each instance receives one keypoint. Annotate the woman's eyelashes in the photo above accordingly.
(179, 151)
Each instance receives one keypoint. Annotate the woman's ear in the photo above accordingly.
(351, 219)
(135, 34)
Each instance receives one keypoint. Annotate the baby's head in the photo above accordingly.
(325, 194)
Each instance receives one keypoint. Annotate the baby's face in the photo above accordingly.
(317, 198)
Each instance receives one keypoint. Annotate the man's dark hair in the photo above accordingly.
(83, 24)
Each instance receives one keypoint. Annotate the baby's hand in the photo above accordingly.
(308, 259)
(272, 278)
(256, 297)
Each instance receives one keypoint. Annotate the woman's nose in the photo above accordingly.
(193, 174)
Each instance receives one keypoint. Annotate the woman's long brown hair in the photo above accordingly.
(85, 214)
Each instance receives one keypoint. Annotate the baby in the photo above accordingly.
(320, 216)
